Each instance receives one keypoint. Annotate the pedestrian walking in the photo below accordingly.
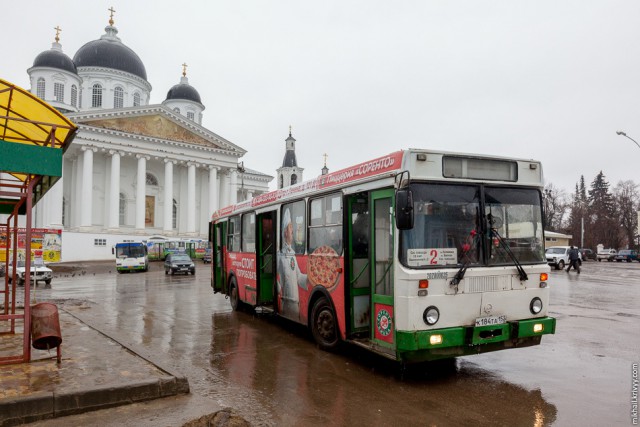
(574, 257)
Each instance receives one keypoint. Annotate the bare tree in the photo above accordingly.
(627, 200)
(555, 207)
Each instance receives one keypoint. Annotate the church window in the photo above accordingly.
(74, 96)
(177, 110)
(281, 181)
(58, 92)
(122, 209)
(294, 179)
(40, 87)
(96, 99)
(174, 213)
(136, 99)
(190, 115)
(151, 179)
(118, 97)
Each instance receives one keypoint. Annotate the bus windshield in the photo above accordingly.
(130, 250)
(460, 224)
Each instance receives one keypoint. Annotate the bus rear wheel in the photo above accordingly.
(324, 325)
(234, 297)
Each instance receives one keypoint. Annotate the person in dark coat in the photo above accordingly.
(574, 257)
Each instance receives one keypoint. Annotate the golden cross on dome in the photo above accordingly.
(325, 159)
(289, 130)
(184, 69)
(112, 10)
(58, 29)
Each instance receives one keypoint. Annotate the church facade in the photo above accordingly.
(134, 170)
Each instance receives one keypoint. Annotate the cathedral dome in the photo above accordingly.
(55, 58)
(184, 91)
(109, 52)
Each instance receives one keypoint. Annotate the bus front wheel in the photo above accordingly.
(324, 325)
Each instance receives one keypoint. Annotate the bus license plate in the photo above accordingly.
(491, 320)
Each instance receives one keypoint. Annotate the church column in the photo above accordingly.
(249, 194)
(168, 195)
(224, 188)
(233, 187)
(55, 207)
(114, 191)
(191, 197)
(86, 201)
(141, 191)
(213, 189)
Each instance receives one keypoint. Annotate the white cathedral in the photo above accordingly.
(134, 170)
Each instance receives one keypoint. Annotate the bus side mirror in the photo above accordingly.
(404, 209)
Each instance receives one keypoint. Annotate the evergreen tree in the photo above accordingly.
(604, 226)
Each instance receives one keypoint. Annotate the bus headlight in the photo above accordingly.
(536, 305)
(431, 315)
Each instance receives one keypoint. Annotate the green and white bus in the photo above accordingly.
(131, 256)
(418, 255)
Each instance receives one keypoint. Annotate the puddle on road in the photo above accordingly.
(274, 375)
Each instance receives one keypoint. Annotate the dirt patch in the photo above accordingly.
(223, 418)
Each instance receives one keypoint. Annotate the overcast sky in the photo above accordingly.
(548, 80)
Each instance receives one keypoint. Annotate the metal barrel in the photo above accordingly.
(45, 326)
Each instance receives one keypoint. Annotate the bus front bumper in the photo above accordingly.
(419, 346)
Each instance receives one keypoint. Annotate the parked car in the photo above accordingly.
(179, 263)
(39, 272)
(587, 254)
(608, 254)
(627, 255)
(558, 256)
(207, 256)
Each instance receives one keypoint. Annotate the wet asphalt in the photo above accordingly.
(271, 373)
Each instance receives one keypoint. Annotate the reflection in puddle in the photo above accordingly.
(278, 368)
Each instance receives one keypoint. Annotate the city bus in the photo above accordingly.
(195, 248)
(418, 255)
(131, 256)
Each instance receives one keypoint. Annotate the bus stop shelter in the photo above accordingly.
(33, 138)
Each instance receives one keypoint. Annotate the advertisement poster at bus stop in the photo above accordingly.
(46, 244)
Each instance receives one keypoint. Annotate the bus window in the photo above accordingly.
(445, 230)
(249, 232)
(233, 234)
(325, 228)
(514, 213)
(297, 216)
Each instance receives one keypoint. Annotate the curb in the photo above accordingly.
(47, 405)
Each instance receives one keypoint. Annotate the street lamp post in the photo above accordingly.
(627, 136)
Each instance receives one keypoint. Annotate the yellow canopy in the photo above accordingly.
(26, 119)
(33, 137)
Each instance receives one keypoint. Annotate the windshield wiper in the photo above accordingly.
(505, 246)
(467, 259)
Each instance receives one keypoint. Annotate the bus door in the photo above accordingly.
(381, 256)
(217, 257)
(359, 289)
(266, 261)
